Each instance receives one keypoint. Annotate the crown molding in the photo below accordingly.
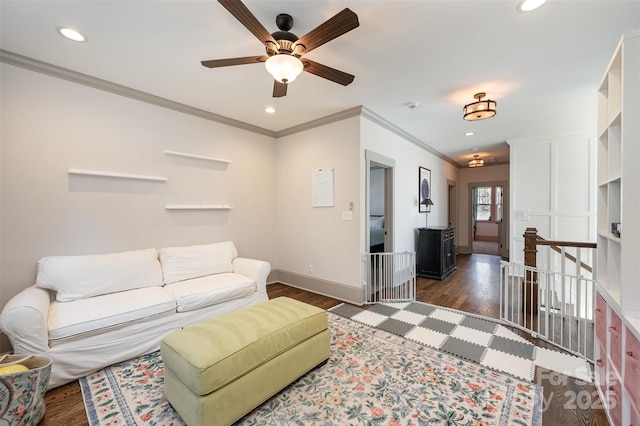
(118, 89)
(370, 115)
(323, 121)
(403, 134)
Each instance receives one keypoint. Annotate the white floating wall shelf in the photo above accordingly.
(198, 207)
(116, 175)
(196, 156)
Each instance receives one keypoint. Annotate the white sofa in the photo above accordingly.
(88, 312)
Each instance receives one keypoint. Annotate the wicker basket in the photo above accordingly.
(22, 394)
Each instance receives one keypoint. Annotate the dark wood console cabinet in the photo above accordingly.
(436, 252)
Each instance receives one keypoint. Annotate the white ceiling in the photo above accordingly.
(543, 68)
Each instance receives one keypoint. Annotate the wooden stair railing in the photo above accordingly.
(531, 242)
(555, 246)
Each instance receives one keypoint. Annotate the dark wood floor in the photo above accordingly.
(472, 288)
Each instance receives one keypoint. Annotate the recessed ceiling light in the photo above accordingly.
(71, 34)
(469, 134)
(270, 110)
(529, 5)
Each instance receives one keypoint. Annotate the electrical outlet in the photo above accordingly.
(311, 269)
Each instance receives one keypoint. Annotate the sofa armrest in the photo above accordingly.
(257, 270)
(24, 320)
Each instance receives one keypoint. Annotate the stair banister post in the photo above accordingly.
(530, 288)
(530, 249)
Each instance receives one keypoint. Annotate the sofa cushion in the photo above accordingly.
(184, 263)
(96, 314)
(78, 277)
(210, 290)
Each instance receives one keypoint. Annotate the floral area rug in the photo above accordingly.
(372, 378)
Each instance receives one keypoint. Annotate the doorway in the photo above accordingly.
(379, 203)
(452, 207)
(488, 230)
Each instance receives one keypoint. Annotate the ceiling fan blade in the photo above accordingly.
(329, 73)
(279, 89)
(246, 18)
(215, 63)
(340, 24)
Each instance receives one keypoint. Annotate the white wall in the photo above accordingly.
(470, 177)
(318, 236)
(50, 125)
(553, 188)
(408, 158)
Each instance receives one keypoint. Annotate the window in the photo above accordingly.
(488, 203)
(483, 203)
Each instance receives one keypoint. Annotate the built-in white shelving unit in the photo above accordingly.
(196, 156)
(617, 342)
(198, 207)
(116, 175)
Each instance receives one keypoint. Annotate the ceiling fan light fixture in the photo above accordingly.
(480, 109)
(284, 68)
(476, 161)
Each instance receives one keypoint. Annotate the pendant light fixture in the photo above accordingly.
(476, 161)
(480, 109)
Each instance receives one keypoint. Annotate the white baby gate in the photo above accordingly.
(552, 306)
(389, 277)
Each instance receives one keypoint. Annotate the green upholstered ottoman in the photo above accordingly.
(221, 369)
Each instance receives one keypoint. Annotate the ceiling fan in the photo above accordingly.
(284, 49)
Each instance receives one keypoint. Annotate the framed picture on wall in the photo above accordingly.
(424, 190)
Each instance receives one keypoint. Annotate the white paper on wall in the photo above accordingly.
(322, 188)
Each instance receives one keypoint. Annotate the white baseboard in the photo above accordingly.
(332, 289)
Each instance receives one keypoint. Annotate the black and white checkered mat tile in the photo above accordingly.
(469, 337)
